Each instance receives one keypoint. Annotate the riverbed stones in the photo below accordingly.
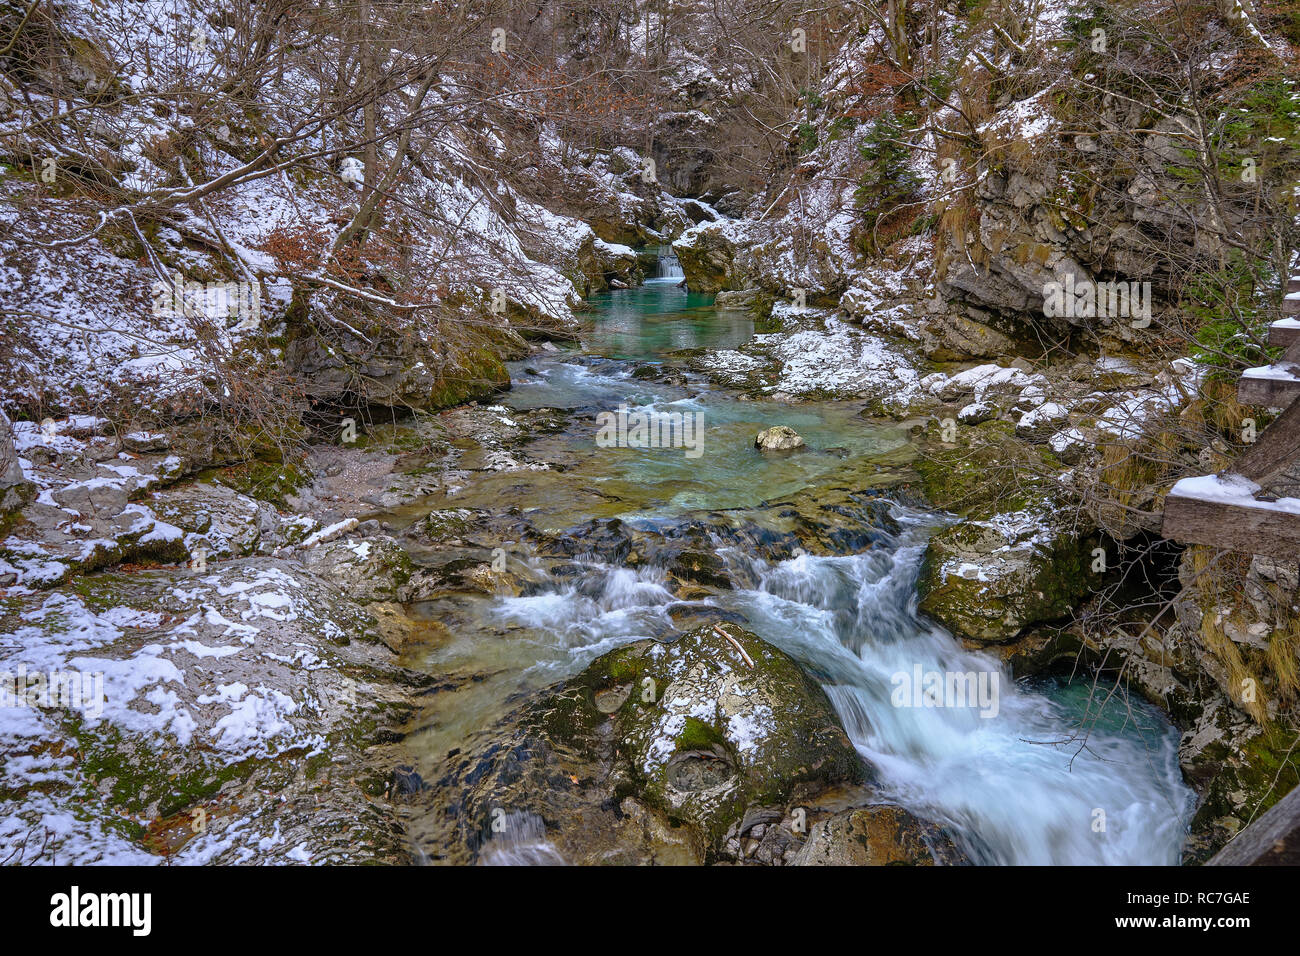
(984, 382)
(876, 836)
(778, 438)
(1110, 373)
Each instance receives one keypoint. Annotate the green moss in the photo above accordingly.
(100, 592)
(697, 735)
(984, 471)
(137, 777)
(441, 525)
(572, 719)
(478, 374)
(417, 434)
(624, 664)
(273, 481)
(1240, 785)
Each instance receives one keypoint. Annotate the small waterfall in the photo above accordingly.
(669, 267)
(1009, 777)
(521, 842)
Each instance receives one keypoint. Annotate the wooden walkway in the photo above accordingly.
(1229, 511)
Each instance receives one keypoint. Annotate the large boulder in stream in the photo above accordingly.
(987, 580)
(656, 753)
(778, 438)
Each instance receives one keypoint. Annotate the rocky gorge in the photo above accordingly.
(361, 583)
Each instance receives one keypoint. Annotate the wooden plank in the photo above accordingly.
(1292, 355)
(1272, 840)
(1242, 525)
(1284, 332)
(1274, 386)
(1293, 285)
(1291, 304)
(1275, 448)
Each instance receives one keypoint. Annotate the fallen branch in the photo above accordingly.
(749, 661)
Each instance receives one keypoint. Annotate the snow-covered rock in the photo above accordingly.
(1042, 422)
(988, 580)
(976, 412)
(1069, 445)
(211, 718)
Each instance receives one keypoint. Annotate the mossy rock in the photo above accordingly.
(708, 262)
(722, 736)
(984, 470)
(272, 481)
(989, 580)
(687, 732)
(1238, 776)
(443, 525)
(473, 374)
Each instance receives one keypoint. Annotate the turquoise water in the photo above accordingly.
(723, 469)
(643, 326)
(643, 323)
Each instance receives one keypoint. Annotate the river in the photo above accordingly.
(1028, 773)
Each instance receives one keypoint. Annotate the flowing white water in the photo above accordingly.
(1023, 786)
(1019, 787)
(669, 267)
(520, 841)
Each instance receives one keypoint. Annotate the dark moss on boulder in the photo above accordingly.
(989, 580)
